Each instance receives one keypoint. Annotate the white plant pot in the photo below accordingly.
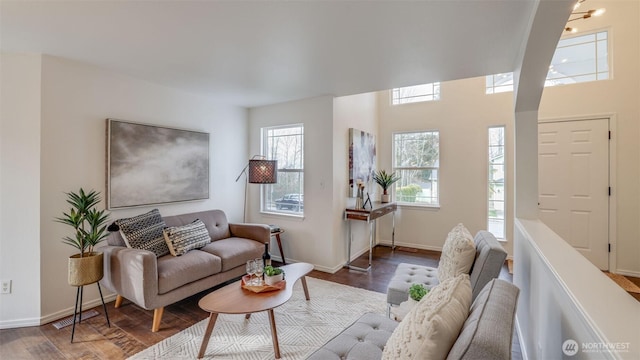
(384, 198)
(271, 280)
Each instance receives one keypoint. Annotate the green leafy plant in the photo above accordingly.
(417, 291)
(89, 223)
(408, 193)
(272, 271)
(385, 180)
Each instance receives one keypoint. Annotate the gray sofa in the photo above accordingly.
(490, 257)
(153, 283)
(486, 334)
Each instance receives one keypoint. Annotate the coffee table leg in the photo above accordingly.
(304, 286)
(274, 334)
(207, 334)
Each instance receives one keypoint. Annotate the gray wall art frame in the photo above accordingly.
(148, 164)
(362, 160)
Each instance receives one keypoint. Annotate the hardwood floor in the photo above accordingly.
(130, 330)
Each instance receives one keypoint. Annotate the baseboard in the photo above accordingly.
(69, 311)
(411, 245)
(18, 323)
(628, 273)
(523, 347)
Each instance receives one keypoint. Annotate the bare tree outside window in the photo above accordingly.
(416, 158)
(285, 144)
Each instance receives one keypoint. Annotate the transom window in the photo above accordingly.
(496, 182)
(417, 93)
(416, 158)
(285, 144)
(577, 59)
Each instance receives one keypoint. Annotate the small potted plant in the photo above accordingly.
(417, 292)
(385, 180)
(273, 275)
(89, 226)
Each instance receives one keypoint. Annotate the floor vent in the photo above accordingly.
(68, 321)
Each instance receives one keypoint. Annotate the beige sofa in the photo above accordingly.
(153, 283)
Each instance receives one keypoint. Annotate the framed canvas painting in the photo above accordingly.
(148, 164)
(362, 160)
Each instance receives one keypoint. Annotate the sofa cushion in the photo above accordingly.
(181, 239)
(144, 232)
(458, 253)
(432, 326)
(174, 272)
(490, 257)
(487, 332)
(215, 221)
(364, 339)
(234, 251)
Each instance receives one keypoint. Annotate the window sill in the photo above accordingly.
(419, 207)
(282, 215)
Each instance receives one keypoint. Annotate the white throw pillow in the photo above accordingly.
(433, 325)
(458, 253)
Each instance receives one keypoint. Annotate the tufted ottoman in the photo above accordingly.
(407, 275)
(364, 339)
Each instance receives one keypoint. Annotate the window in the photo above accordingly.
(499, 83)
(577, 59)
(416, 158)
(285, 144)
(418, 93)
(496, 182)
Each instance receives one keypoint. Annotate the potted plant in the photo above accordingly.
(273, 275)
(385, 180)
(417, 292)
(89, 225)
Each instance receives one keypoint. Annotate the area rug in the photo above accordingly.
(303, 326)
(625, 283)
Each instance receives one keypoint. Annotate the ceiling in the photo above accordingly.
(263, 52)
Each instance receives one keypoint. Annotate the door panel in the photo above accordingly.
(573, 181)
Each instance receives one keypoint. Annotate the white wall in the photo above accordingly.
(76, 100)
(619, 96)
(309, 239)
(462, 115)
(359, 112)
(20, 133)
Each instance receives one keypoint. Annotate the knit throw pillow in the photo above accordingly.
(144, 232)
(432, 326)
(458, 253)
(181, 239)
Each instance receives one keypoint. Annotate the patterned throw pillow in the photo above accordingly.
(458, 253)
(181, 239)
(144, 232)
(431, 328)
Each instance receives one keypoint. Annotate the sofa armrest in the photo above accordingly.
(257, 232)
(131, 273)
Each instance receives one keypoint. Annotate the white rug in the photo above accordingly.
(303, 326)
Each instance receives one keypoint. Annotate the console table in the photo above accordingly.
(370, 215)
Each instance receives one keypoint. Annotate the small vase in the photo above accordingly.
(384, 198)
(271, 280)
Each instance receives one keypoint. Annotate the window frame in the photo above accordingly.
(395, 168)
(504, 180)
(435, 95)
(548, 82)
(264, 151)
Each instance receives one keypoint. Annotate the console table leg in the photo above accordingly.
(274, 334)
(207, 334)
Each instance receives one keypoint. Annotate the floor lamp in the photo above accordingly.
(261, 171)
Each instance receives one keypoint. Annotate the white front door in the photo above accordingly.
(573, 184)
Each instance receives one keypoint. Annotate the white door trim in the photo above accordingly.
(613, 225)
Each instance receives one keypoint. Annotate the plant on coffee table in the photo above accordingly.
(273, 275)
(417, 292)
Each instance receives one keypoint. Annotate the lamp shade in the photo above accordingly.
(263, 171)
